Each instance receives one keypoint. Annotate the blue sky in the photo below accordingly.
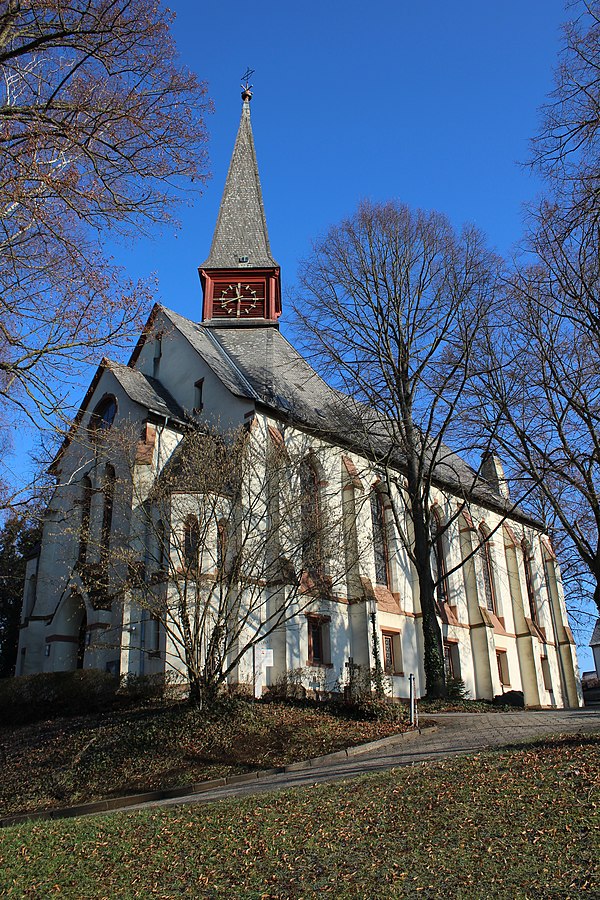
(428, 101)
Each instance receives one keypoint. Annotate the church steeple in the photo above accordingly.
(240, 278)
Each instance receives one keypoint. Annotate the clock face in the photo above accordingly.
(239, 300)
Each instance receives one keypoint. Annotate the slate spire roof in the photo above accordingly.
(240, 239)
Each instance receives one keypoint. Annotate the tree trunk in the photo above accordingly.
(435, 680)
(196, 695)
(433, 651)
(597, 587)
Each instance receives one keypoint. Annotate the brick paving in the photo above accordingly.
(455, 734)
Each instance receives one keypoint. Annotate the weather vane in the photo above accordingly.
(246, 78)
(247, 87)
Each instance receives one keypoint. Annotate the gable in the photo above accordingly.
(189, 355)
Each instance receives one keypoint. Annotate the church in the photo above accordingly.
(218, 515)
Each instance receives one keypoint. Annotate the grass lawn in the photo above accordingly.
(521, 823)
(74, 760)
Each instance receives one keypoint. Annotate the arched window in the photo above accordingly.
(191, 542)
(107, 514)
(380, 539)
(527, 558)
(103, 416)
(312, 546)
(30, 595)
(487, 569)
(161, 539)
(439, 558)
(86, 511)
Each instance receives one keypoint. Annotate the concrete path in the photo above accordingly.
(456, 734)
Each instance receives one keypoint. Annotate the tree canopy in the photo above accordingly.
(99, 126)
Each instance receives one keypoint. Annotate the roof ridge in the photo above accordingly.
(234, 366)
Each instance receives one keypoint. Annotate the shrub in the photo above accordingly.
(367, 683)
(30, 698)
(373, 709)
(510, 698)
(143, 688)
(456, 690)
(287, 687)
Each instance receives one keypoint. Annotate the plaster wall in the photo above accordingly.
(180, 367)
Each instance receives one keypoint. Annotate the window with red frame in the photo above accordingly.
(392, 652)
(451, 660)
(319, 647)
(191, 542)
(502, 663)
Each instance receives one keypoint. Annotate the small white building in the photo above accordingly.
(500, 602)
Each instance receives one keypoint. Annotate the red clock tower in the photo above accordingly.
(240, 278)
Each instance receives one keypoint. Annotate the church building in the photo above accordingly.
(217, 512)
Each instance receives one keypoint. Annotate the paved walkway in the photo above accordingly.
(456, 734)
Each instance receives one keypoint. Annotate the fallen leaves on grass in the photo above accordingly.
(475, 827)
(73, 761)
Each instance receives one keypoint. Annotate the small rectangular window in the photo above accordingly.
(319, 646)
(546, 673)
(157, 355)
(451, 660)
(502, 663)
(198, 395)
(392, 653)
(152, 635)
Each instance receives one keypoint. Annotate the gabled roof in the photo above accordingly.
(278, 375)
(146, 391)
(595, 639)
(241, 229)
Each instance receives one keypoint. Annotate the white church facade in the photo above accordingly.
(129, 544)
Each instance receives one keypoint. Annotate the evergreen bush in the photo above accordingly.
(31, 698)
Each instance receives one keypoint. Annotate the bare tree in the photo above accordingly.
(539, 389)
(566, 151)
(215, 547)
(99, 124)
(390, 305)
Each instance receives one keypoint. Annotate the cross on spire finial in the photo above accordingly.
(246, 86)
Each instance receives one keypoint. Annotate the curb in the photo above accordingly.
(202, 787)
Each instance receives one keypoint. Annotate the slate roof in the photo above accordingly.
(259, 364)
(595, 639)
(241, 229)
(146, 391)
